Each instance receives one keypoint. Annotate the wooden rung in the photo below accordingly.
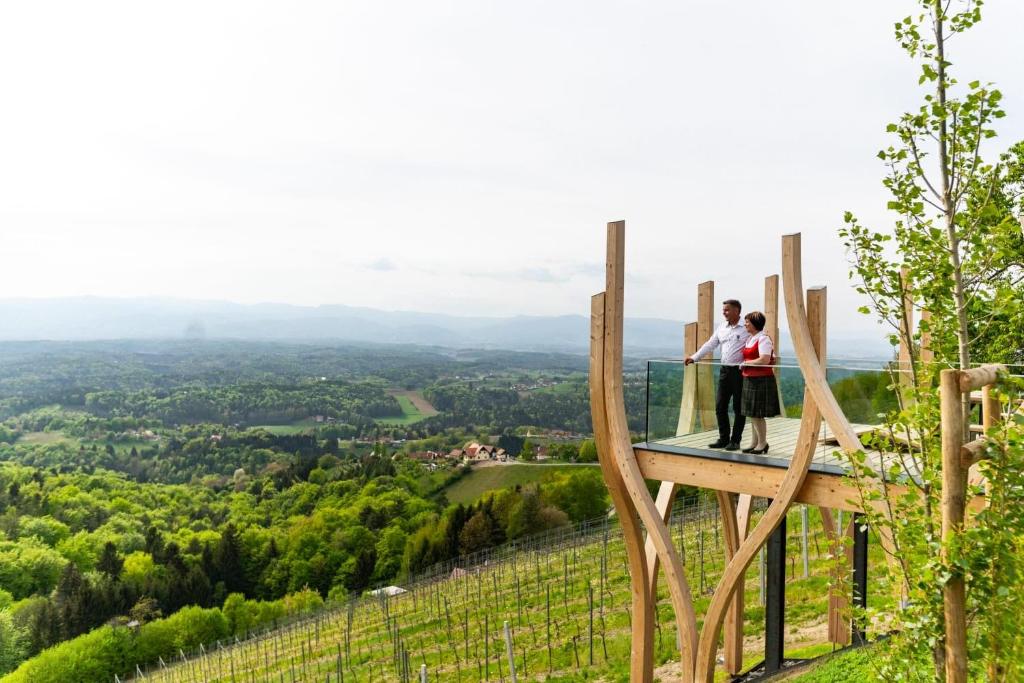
(976, 378)
(973, 452)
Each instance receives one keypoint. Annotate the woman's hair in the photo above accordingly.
(756, 319)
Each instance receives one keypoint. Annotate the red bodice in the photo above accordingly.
(753, 353)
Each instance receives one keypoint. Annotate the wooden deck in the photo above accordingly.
(782, 437)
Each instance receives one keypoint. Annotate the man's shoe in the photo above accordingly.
(733, 446)
(721, 443)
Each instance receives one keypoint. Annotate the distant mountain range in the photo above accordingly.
(91, 318)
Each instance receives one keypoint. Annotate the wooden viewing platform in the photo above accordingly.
(783, 433)
(806, 464)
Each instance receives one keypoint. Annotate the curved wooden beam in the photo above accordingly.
(810, 424)
(663, 503)
(621, 449)
(810, 427)
(641, 664)
(800, 333)
(686, 424)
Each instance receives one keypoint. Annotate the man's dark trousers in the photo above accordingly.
(730, 388)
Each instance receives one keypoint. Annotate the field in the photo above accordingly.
(414, 409)
(45, 438)
(565, 603)
(299, 427)
(494, 477)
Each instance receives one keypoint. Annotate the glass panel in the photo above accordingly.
(681, 406)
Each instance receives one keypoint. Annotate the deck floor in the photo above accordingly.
(782, 437)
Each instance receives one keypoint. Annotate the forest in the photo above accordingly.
(140, 483)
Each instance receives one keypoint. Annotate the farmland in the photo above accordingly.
(414, 407)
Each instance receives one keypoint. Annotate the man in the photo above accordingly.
(731, 335)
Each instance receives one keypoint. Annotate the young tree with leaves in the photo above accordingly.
(955, 250)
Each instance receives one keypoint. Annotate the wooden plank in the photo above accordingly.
(641, 664)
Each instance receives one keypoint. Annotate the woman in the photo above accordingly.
(760, 393)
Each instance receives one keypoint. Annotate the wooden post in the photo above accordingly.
(706, 373)
(817, 320)
(804, 549)
(906, 377)
(771, 326)
(927, 355)
(509, 652)
(642, 623)
(991, 412)
(954, 491)
(735, 522)
(621, 450)
(688, 403)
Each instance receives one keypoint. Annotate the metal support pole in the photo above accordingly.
(760, 577)
(511, 656)
(860, 573)
(775, 600)
(804, 523)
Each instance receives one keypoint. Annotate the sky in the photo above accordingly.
(455, 156)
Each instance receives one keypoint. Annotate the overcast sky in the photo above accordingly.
(451, 156)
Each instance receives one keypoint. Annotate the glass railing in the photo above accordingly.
(681, 406)
(681, 411)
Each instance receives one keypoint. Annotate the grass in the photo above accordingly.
(31, 438)
(851, 666)
(484, 479)
(298, 427)
(410, 413)
(454, 626)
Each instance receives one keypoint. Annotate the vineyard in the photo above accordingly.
(553, 608)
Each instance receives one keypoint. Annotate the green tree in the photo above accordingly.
(74, 602)
(13, 642)
(588, 451)
(528, 452)
(957, 250)
(227, 562)
(476, 534)
(110, 563)
(581, 494)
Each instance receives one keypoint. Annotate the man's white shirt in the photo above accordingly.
(731, 338)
